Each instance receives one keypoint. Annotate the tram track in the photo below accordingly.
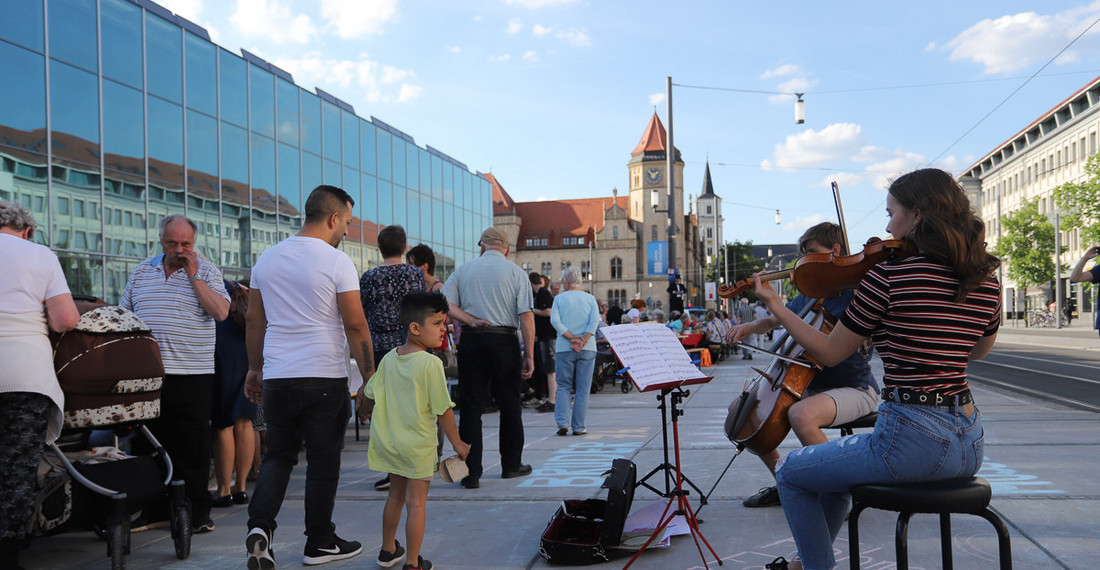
(1059, 376)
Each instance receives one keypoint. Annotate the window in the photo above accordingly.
(1081, 149)
(710, 232)
(616, 296)
(615, 232)
(616, 268)
(653, 232)
(547, 270)
(526, 266)
(586, 271)
(708, 210)
(1092, 143)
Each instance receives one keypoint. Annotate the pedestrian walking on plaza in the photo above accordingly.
(180, 296)
(545, 337)
(746, 315)
(407, 401)
(575, 316)
(34, 297)
(381, 290)
(491, 297)
(231, 411)
(1079, 275)
(676, 292)
(303, 307)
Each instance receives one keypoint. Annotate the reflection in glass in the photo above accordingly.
(425, 177)
(333, 174)
(264, 211)
(311, 122)
(202, 155)
(437, 177)
(290, 190)
(234, 164)
(369, 162)
(440, 235)
(73, 37)
(166, 144)
(398, 161)
(412, 167)
(400, 212)
(202, 77)
(75, 116)
(385, 155)
(162, 47)
(233, 88)
(121, 22)
(426, 229)
(350, 138)
(312, 174)
(331, 114)
(84, 275)
(286, 94)
(385, 203)
(412, 215)
(370, 198)
(123, 129)
(262, 98)
(23, 24)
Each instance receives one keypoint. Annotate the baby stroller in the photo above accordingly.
(607, 365)
(110, 370)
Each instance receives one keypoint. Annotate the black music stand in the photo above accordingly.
(674, 396)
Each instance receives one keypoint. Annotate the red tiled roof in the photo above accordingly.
(555, 219)
(502, 202)
(653, 139)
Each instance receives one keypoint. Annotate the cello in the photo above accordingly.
(757, 419)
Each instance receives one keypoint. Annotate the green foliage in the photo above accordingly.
(741, 264)
(1081, 201)
(1026, 245)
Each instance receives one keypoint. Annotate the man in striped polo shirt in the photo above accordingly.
(179, 296)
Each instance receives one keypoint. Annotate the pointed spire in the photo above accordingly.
(708, 187)
(653, 139)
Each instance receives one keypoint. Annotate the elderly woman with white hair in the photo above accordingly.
(575, 315)
(34, 297)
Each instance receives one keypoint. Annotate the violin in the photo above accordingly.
(823, 275)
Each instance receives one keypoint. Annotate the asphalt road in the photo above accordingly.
(1068, 375)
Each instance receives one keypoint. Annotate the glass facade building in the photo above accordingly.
(117, 113)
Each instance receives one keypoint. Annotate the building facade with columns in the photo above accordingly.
(619, 242)
(1049, 152)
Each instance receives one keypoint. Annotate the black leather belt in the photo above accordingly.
(489, 330)
(920, 398)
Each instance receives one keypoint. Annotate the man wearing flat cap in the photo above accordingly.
(491, 297)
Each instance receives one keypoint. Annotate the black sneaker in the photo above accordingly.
(765, 497)
(336, 549)
(382, 484)
(387, 559)
(545, 407)
(258, 545)
(423, 565)
(202, 524)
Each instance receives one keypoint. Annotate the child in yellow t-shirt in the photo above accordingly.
(404, 400)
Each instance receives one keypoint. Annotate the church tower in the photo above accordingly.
(648, 208)
(708, 208)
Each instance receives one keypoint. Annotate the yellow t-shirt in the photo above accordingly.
(409, 393)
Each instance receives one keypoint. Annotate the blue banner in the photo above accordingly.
(656, 262)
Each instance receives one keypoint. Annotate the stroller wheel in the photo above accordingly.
(181, 532)
(625, 386)
(117, 546)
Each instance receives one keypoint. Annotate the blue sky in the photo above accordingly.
(552, 95)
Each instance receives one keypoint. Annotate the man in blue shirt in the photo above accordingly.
(838, 394)
(1091, 276)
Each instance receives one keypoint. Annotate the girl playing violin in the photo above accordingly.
(928, 315)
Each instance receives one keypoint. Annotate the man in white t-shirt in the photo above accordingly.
(304, 302)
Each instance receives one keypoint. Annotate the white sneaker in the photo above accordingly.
(258, 545)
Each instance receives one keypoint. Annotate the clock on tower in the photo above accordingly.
(653, 175)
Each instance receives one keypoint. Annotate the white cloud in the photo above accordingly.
(897, 163)
(576, 36)
(540, 30)
(274, 21)
(454, 49)
(792, 85)
(357, 18)
(500, 58)
(838, 141)
(536, 4)
(376, 82)
(656, 98)
(804, 222)
(843, 179)
(1018, 41)
(477, 18)
(190, 9)
(542, 199)
(514, 26)
(531, 56)
(782, 70)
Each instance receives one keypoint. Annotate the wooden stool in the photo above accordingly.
(969, 495)
(867, 421)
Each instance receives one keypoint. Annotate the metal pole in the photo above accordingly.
(717, 303)
(670, 166)
(1058, 297)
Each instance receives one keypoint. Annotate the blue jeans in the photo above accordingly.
(909, 444)
(310, 410)
(574, 373)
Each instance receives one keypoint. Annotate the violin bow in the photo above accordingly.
(840, 218)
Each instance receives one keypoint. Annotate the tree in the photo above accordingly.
(1027, 245)
(741, 263)
(1081, 202)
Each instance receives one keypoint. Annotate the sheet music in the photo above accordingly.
(652, 353)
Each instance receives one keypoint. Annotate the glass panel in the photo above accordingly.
(312, 173)
(166, 144)
(369, 164)
(400, 212)
(426, 229)
(354, 238)
(123, 129)
(385, 203)
(202, 155)
(333, 173)
(412, 216)
(398, 162)
(351, 139)
(439, 227)
(331, 115)
(370, 199)
(286, 94)
(73, 37)
(202, 75)
(121, 39)
(233, 88)
(75, 116)
(448, 182)
(84, 275)
(164, 50)
(234, 164)
(290, 189)
(437, 177)
(23, 102)
(23, 23)
(263, 195)
(385, 155)
(262, 95)
(425, 186)
(311, 122)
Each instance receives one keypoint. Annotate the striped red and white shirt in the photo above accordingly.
(924, 337)
(171, 309)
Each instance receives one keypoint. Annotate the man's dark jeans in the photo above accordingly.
(490, 361)
(297, 410)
